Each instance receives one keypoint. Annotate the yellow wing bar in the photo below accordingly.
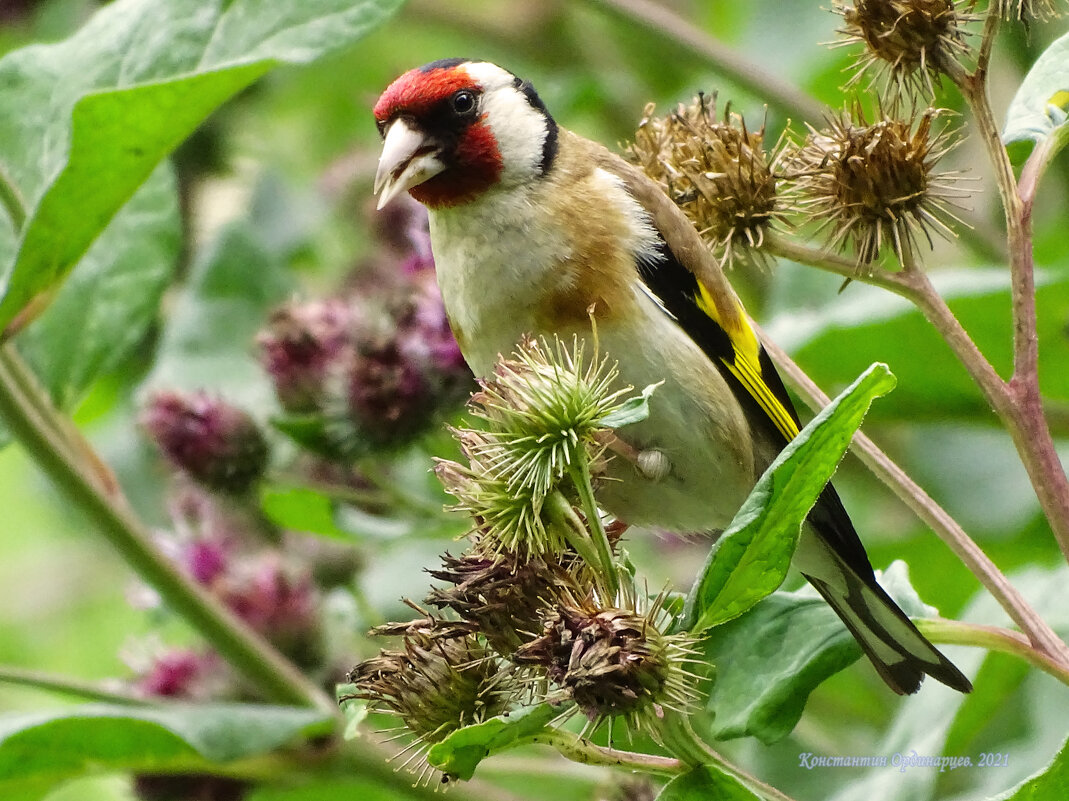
(746, 366)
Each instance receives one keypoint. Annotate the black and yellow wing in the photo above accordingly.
(841, 570)
(748, 370)
(898, 651)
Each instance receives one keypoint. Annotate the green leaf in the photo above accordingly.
(354, 709)
(301, 509)
(42, 748)
(705, 783)
(1038, 110)
(841, 336)
(1048, 785)
(309, 431)
(104, 311)
(633, 410)
(770, 659)
(100, 110)
(768, 662)
(461, 752)
(751, 559)
(1038, 705)
(208, 341)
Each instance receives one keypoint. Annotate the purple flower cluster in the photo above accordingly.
(362, 372)
(183, 673)
(371, 368)
(237, 557)
(214, 443)
(377, 366)
(300, 345)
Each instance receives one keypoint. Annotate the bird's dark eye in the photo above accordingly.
(464, 102)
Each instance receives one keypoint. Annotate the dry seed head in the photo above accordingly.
(875, 186)
(434, 685)
(717, 172)
(542, 410)
(502, 598)
(908, 43)
(614, 661)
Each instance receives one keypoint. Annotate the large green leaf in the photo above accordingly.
(99, 111)
(208, 342)
(103, 312)
(769, 660)
(1038, 110)
(751, 559)
(1050, 784)
(38, 749)
(837, 337)
(704, 783)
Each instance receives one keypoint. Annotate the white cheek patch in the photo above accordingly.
(519, 129)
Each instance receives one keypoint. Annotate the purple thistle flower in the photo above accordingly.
(182, 673)
(205, 560)
(279, 601)
(216, 444)
(388, 394)
(426, 331)
(299, 346)
(402, 226)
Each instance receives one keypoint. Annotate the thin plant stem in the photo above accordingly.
(748, 74)
(913, 285)
(1023, 412)
(934, 516)
(276, 676)
(62, 429)
(573, 529)
(1033, 170)
(11, 202)
(1017, 402)
(828, 261)
(987, 40)
(29, 397)
(64, 685)
(585, 752)
(680, 737)
(580, 475)
(993, 638)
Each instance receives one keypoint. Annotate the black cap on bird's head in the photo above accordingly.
(455, 128)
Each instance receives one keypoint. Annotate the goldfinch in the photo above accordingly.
(532, 227)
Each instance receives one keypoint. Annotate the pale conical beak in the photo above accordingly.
(408, 159)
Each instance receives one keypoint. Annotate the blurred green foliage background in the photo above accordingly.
(287, 166)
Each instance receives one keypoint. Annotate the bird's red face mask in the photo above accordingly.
(436, 143)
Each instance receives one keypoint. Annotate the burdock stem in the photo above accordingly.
(579, 472)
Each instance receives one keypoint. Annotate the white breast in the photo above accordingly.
(488, 254)
(491, 253)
